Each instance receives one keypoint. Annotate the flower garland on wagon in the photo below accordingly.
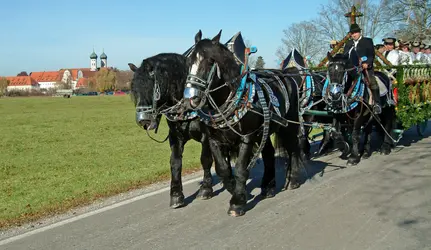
(413, 90)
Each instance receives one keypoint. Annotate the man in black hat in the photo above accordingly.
(364, 46)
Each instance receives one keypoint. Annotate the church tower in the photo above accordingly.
(103, 60)
(93, 61)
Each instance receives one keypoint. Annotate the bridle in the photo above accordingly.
(150, 112)
(198, 87)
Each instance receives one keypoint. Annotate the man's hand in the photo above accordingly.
(365, 65)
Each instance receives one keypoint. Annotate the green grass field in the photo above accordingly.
(59, 153)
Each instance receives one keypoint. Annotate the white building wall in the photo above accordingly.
(22, 88)
(93, 64)
(47, 85)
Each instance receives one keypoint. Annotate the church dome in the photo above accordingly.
(93, 55)
(103, 56)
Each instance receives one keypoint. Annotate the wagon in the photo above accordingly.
(410, 90)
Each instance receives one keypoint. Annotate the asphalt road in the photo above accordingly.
(383, 203)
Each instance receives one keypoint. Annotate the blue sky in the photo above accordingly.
(48, 35)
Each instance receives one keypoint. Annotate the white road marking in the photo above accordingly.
(88, 214)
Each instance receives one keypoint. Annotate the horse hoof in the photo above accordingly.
(294, 185)
(205, 193)
(366, 155)
(268, 192)
(344, 156)
(385, 151)
(236, 210)
(352, 162)
(291, 186)
(177, 201)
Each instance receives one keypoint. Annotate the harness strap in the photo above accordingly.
(266, 122)
(283, 89)
(349, 92)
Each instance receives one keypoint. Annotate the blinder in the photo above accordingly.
(336, 89)
(149, 112)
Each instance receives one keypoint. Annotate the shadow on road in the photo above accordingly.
(316, 166)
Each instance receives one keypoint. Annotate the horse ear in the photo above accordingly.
(216, 39)
(198, 36)
(132, 67)
(329, 56)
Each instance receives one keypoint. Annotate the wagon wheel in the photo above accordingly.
(421, 128)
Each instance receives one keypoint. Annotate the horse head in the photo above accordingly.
(156, 85)
(212, 72)
(337, 75)
(342, 70)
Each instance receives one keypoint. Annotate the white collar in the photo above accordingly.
(358, 39)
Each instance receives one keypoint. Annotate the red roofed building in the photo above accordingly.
(74, 77)
(46, 79)
(22, 83)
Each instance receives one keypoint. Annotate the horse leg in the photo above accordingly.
(239, 196)
(387, 142)
(367, 141)
(354, 157)
(325, 143)
(268, 179)
(177, 148)
(289, 142)
(303, 141)
(206, 189)
(222, 166)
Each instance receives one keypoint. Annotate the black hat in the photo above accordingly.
(354, 28)
(416, 44)
(427, 47)
(378, 46)
(389, 40)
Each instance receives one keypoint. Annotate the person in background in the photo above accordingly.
(427, 53)
(391, 54)
(389, 45)
(380, 48)
(415, 53)
(422, 48)
(404, 53)
(332, 44)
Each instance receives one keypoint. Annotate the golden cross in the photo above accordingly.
(353, 14)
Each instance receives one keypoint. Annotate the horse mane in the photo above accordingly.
(170, 72)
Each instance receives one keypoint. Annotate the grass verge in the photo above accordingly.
(59, 153)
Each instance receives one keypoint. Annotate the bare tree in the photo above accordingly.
(123, 79)
(416, 19)
(3, 85)
(377, 18)
(305, 38)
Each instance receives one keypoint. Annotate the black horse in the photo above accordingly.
(157, 85)
(311, 99)
(348, 97)
(224, 99)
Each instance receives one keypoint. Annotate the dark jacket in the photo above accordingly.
(365, 47)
